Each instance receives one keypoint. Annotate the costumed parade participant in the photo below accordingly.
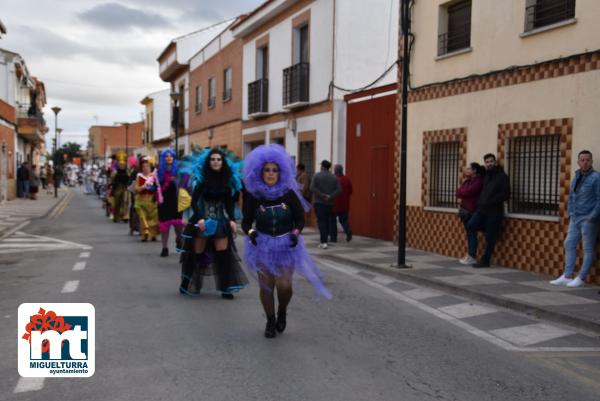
(274, 249)
(167, 189)
(119, 180)
(134, 222)
(145, 200)
(209, 249)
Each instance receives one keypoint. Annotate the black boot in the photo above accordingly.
(223, 273)
(226, 295)
(270, 328)
(281, 321)
(164, 253)
(185, 283)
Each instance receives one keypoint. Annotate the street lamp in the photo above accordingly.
(104, 136)
(176, 98)
(59, 130)
(56, 110)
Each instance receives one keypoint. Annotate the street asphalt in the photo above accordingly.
(370, 342)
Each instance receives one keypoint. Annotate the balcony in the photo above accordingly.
(548, 12)
(295, 86)
(227, 93)
(31, 123)
(212, 101)
(258, 98)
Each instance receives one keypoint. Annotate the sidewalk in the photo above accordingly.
(509, 288)
(16, 214)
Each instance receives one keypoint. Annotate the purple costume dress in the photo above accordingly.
(278, 214)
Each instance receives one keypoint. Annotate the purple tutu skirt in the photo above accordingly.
(275, 256)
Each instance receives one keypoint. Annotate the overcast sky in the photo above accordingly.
(98, 58)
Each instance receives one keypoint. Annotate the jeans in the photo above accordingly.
(343, 218)
(490, 224)
(580, 228)
(324, 215)
(23, 189)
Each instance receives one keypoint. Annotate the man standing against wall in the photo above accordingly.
(342, 205)
(325, 187)
(584, 210)
(490, 208)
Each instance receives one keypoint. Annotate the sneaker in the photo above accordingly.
(562, 280)
(468, 260)
(576, 282)
(323, 246)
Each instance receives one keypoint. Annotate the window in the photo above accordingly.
(262, 63)
(540, 13)
(227, 84)
(455, 27)
(212, 93)
(306, 155)
(443, 174)
(301, 44)
(198, 98)
(534, 170)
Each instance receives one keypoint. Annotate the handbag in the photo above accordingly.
(184, 200)
(210, 227)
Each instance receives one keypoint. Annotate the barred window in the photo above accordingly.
(455, 26)
(534, 170)
(198, 107)
(443, 174)
(540, 13)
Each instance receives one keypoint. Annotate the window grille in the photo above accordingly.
(548, 12)
(534, 170)
(444, 168)
(458, 33)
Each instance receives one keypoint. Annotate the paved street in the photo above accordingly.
(379, 338)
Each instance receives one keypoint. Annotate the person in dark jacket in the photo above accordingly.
(325, 187)
(23, 181)
(490, 209)
(468, 193)
(342, 205)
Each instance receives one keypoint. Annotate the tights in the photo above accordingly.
(267, 288)
(164, 237)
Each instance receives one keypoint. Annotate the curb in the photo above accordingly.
(477, 295)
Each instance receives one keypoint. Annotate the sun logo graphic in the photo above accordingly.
(56, 340)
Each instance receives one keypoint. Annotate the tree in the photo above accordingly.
(71, 149)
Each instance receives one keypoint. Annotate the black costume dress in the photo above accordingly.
(223, 267)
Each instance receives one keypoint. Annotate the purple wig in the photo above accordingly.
(162, 164)
(253, 172)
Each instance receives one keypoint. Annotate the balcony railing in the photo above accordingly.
(30, 111)
(454, 41)
(258, 96)
(212, 101)
(548, 12)
(295, 84)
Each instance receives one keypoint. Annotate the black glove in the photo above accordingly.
(252, 235)
(293, 240)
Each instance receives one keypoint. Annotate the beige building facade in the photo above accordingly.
(518, 79)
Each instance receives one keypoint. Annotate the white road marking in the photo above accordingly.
(451, 319)
(84, 255)
(70, 286)
(7, 316)
(29, 384)
(79, 266)
(20, 242)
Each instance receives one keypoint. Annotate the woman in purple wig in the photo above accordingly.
(274, 249)
(167, 199)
